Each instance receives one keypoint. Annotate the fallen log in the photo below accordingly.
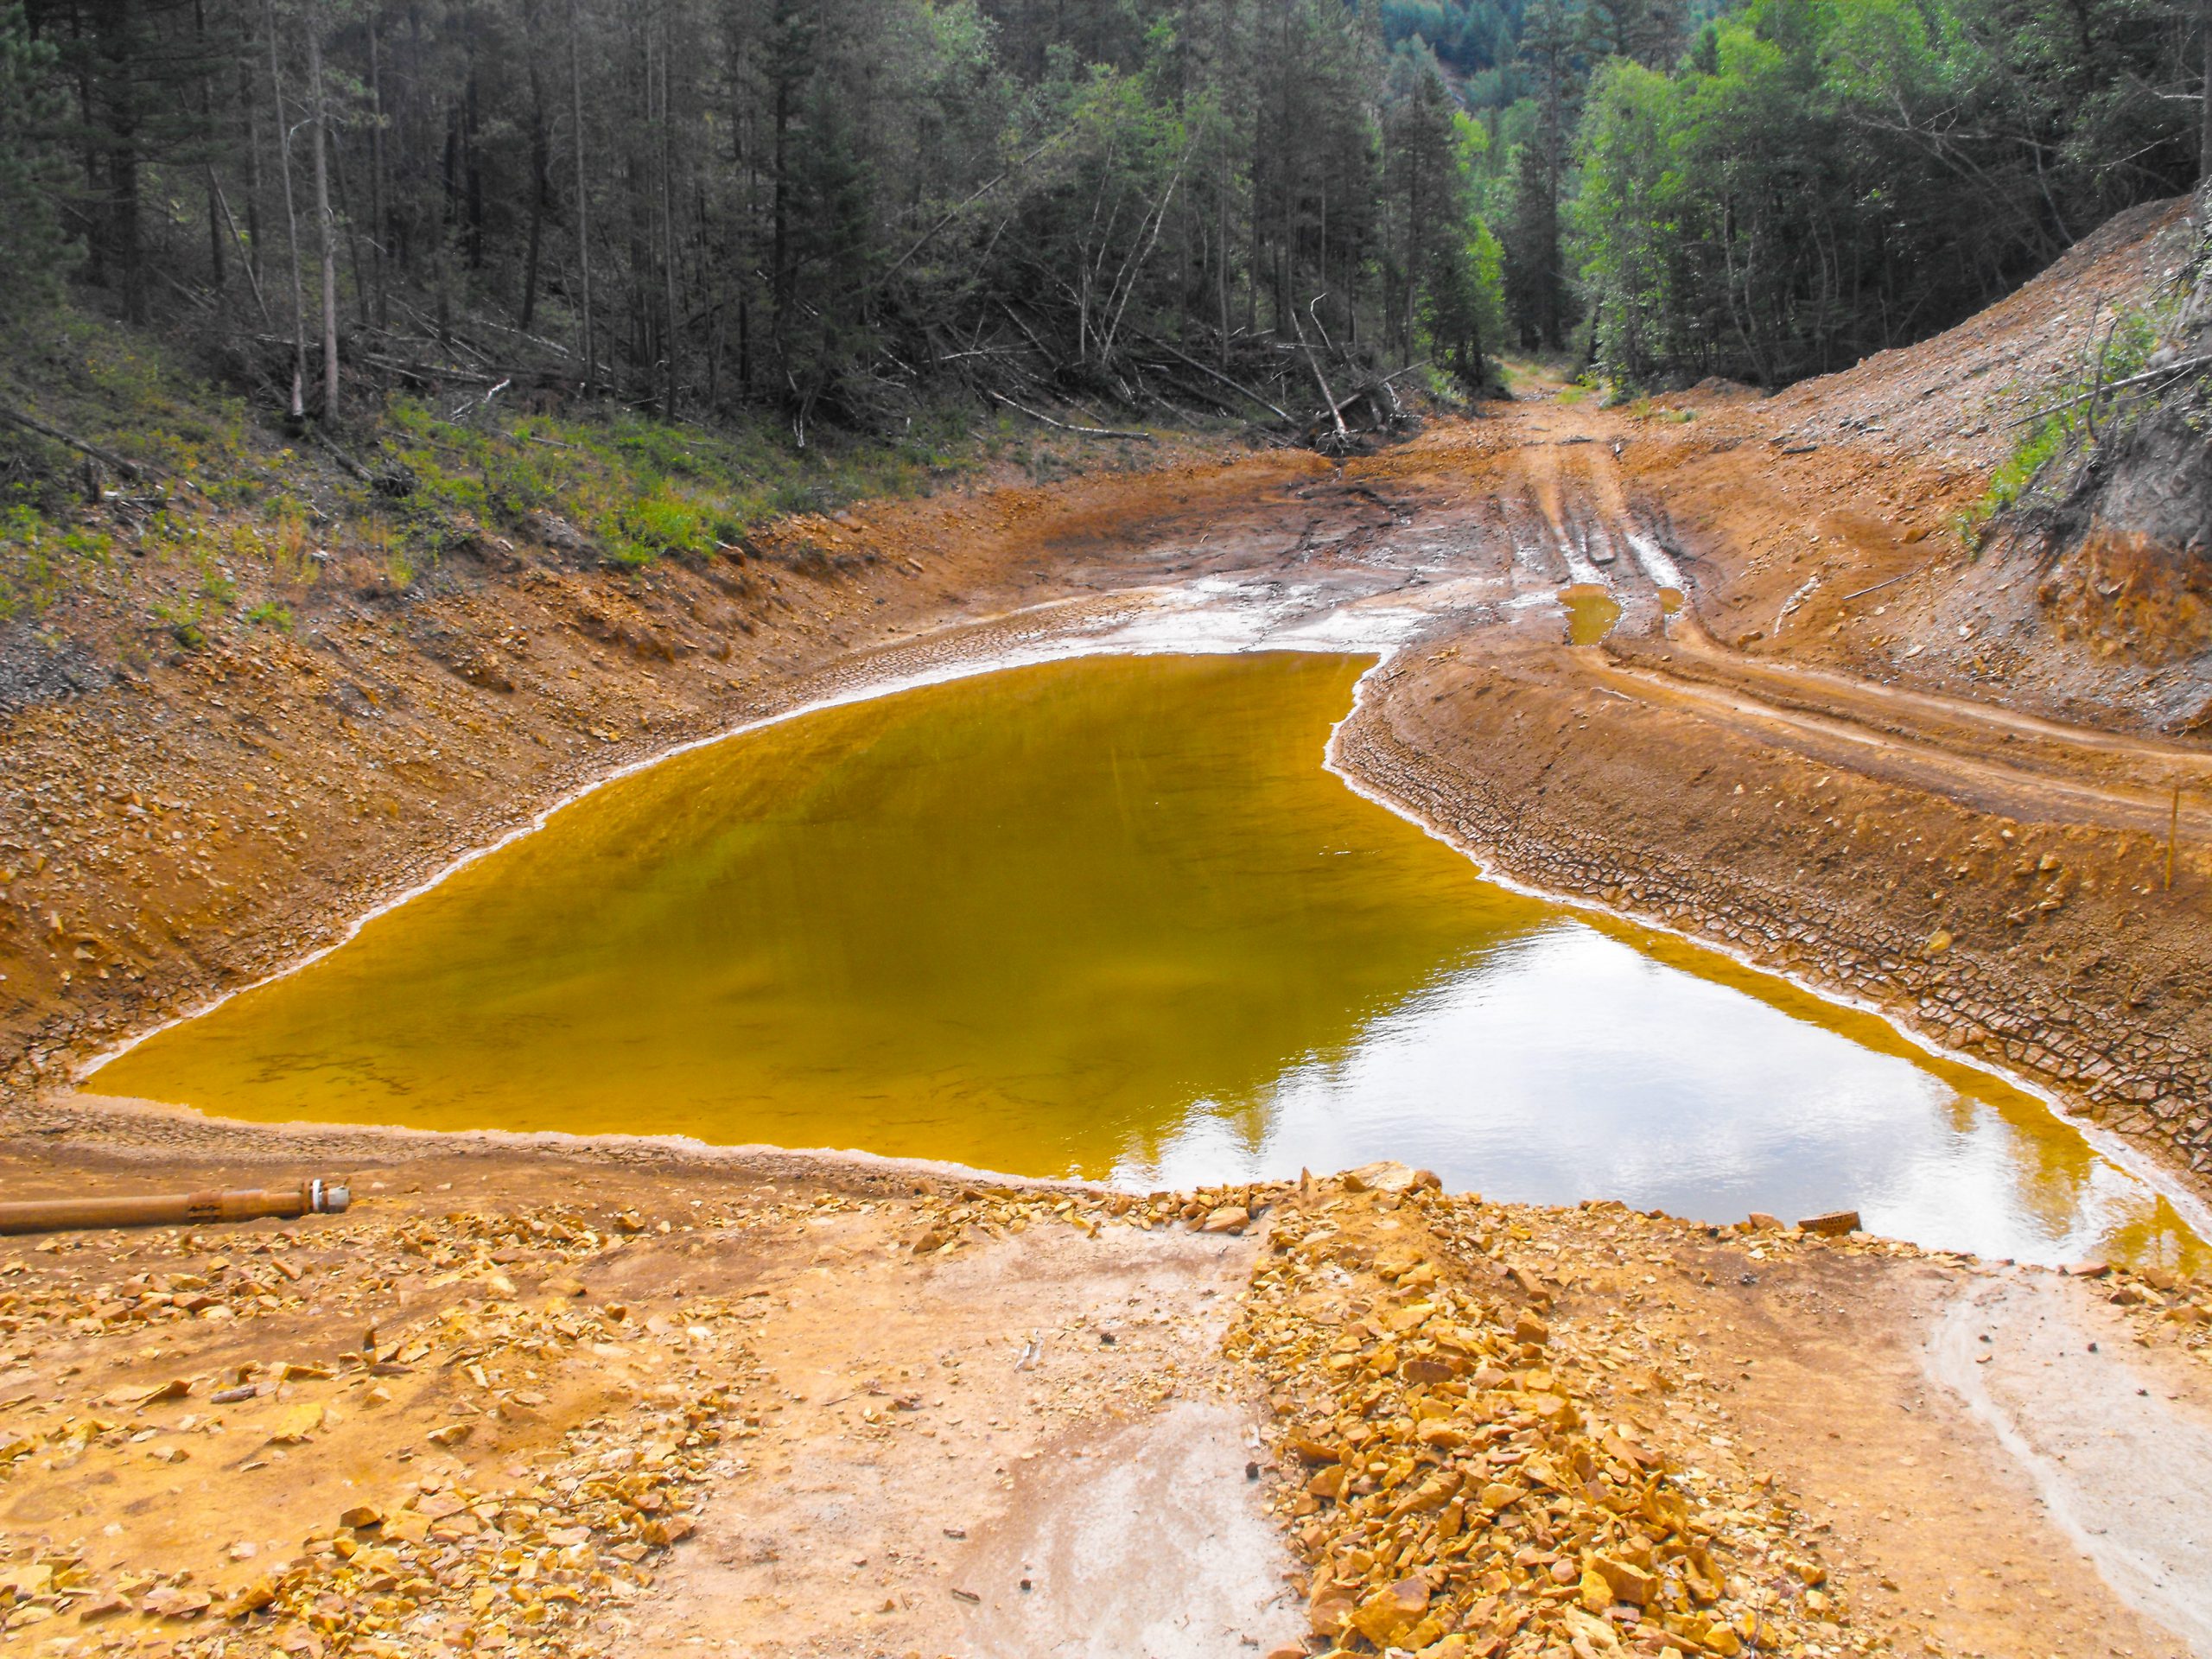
(2181, 366)
(1081, 431)
(1335, 417)
(344, 459)
(130, 469)
(174, 1209)
(1215, 374)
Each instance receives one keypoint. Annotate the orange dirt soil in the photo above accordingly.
(1853, 752)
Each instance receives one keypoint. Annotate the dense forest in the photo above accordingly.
(1814, 181)
(814, 205)
(819, 207)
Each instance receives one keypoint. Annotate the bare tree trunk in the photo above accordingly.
(667, 227)
(779, 171)
(584, 194)
(252, 177)
(2204, 138)
(540, 162)
(1328, 397)
(1221, 273)
(219, 266)
(325, 224)
(352, 233)
(119, 245)
(378, 228)
(291, 222)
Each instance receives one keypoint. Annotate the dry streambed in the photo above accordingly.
(619, 1412)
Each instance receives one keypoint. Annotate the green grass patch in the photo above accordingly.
(39, 559)
(238, 523)
(2080, 412)
(643, 489)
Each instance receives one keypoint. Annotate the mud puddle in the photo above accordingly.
(1111, 918)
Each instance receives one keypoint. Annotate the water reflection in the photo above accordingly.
(1566, 1065)
(1112, 916)
(1591, 614)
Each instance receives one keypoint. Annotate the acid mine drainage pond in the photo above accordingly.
(1112, 917)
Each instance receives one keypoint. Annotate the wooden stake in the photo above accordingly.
(2173, 833)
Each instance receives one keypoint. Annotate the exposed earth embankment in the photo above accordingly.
(625, 1397)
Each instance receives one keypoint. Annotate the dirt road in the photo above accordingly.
(2026, 888)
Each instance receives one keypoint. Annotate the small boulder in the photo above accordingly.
(1834, 1224)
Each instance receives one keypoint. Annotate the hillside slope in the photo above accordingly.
(1858, 742)
(1851, 506)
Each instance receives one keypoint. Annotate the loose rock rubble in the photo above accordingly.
(1469, 1479)
(419, 1429)
(2163, 1304)
(609, 1410)
(528, 1405)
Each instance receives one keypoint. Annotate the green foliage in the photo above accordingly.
(1442, 264)
(1820, 179)
(2044, 439)
(184, 620)
(1469, 36)
(833, 209)
(40, 560)
(122, 389)
(662, 522)
(643, 489)
(33, 98)
(2082, 413)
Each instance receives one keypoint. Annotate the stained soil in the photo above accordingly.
(610, 1399)
(1852, 752)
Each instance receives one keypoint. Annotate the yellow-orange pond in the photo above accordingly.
(1113, 916)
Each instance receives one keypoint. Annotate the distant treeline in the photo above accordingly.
(1819, 179)
(820, 206)
(811, 205)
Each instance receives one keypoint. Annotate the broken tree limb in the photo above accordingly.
(2183, 367)
(1384, 385)
(1126, 281)
(1314, 310)
(1028, 332)
(485, 402)
(320, 436)
(1081, 431)
(1892, 582)
(245, 257)
(1215, 374)
(424, 371)
(1329, 397)
(130, 469)
(1205, 394)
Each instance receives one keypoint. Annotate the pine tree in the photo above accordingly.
(1536, 274)
(33, 104)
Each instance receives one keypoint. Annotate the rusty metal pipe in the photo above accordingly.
(315, 1197)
